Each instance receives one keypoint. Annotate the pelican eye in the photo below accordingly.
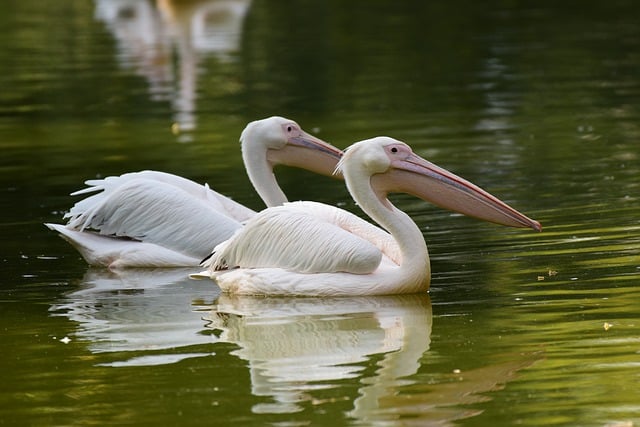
(394, 150)
(289, 128)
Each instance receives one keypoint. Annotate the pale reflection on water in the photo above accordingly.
(150, 34)
(294, 347)
(137, 310)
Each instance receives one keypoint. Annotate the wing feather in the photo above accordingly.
(150, 211)
(353, 224)
(105, 188)
(296, 238)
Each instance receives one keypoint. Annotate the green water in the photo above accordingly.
(537, 102)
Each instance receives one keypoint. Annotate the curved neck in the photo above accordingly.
(261, 175)
(414, 269)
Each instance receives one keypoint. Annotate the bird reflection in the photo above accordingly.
(441, 402)
(148, 34)
(137, 310)
(296, 345)
(296, 349)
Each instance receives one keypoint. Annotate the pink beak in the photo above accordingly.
(305, 151)
(423, 179)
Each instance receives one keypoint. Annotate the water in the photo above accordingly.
(538, 103)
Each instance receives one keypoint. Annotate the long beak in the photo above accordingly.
(421, 178)
(307, 152)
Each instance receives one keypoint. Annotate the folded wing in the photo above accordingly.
(151, 211)
(306, 237)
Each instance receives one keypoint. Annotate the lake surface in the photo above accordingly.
(537, 102)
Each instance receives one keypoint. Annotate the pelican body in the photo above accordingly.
(312, 249)
(156, 219)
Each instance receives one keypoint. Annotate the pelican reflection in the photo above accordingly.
(146, 314)
(299, 348)
(164, 41)
(369, 351)
(296, 345)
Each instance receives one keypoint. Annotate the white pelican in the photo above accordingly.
(307, 248)
(156, 219)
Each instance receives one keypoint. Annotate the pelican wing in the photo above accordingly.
(353, 224)
(153, 211)
(114, 252)
(305, 237)
(105, 188)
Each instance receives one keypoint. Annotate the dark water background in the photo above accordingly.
(538, 102)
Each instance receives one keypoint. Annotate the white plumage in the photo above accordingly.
(282, 235)
(314, 249)
(156, 219)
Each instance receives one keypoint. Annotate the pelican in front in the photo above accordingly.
(156, 219)
(312, 249)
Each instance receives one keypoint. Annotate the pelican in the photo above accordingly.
(311, 249)
(156, 219)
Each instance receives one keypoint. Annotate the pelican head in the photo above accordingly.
(393, 167)
(285, 143)
(276, 141)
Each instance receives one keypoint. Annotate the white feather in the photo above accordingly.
(106, 191)
(145, 210)
(149, 219)
(280, 237)
(175, 219)
(312, 249)
(116, 253)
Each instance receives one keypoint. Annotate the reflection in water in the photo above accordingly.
(294, 346)
(138, 310)
(148, 33)
(443, 401)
